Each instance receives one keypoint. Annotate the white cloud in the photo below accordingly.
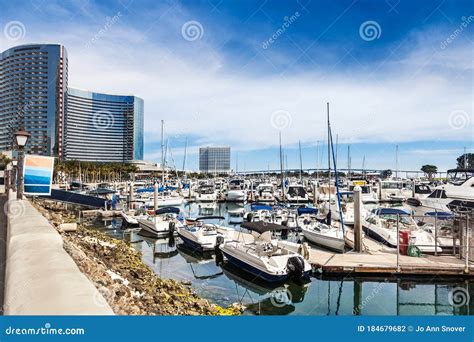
(189, 85)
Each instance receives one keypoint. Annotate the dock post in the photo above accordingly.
(155, 196)
(436, 232)
(398, 243)
(357, 219)
(466, 270)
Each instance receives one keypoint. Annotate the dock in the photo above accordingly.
(379, 259)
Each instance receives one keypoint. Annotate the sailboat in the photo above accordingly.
(324, 234)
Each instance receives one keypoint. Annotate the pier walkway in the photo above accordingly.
(3, 252)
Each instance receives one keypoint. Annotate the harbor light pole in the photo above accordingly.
(21, 139)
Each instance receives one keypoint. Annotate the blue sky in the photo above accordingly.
(238, 72)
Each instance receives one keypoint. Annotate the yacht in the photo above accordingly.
(265, 192)
(201, 235)
(418, 192)
(236, 191)
(368, 195)
(296, 193)
(163, 223)
(455, 196)
(266, 258)
(206, 193)
(391, 191)
(381, 225)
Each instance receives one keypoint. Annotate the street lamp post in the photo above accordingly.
(21, 139)
(14, 173)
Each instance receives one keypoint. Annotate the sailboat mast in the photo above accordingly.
(301, 164)
(162, 154)
(329, 155)
(185, 151)
(396, 162)
(281, 170)
(348, 161)
(317, 160)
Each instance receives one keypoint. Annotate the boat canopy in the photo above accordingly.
(167, 210)
(203, 218)
(440, 215)
(302, 211)
(260, 206)
(262, 227)
(390, 211)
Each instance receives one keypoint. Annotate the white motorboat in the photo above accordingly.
(417, 193)
(204, 236)
(455, 196)
(163, 223)
(265, 257)
(381, 225)
(367, 193)
(391, 191)
(166, 201)
(320, 233)
(131, 217)
(236, 191)
(206, 193)
(259, 213)
(265, 192)
(296, 193)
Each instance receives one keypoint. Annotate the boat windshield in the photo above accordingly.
(296, 191)
(458, 177)
(422, 189)
(392, 185)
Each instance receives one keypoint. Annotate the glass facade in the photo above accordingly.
(33, 84)
(214, 159)
(102, 127)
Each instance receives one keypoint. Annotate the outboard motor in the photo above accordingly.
(171, 228)
(295, 267)
(249, 217)
(284, 234)
(217, 250)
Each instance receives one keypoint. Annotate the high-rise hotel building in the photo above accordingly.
(214, 159)
(33, 85)
(103, 127)
(67, 123)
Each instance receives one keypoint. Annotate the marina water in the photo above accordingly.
(335, 295)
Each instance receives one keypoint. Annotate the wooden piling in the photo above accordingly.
(358, 219)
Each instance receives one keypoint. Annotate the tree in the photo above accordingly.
(465, 161)
(429, 170)
(4, 161)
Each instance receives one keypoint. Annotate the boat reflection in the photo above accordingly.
(272, 299)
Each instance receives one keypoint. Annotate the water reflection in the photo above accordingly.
(225, 285)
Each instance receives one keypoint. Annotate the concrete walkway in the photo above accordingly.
(3, 252)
